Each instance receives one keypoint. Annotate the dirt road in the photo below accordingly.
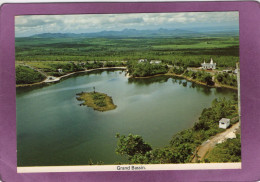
(208, 145)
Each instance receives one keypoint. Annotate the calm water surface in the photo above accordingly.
(53, 129)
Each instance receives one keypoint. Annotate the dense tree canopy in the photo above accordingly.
(25, 75)
(131, 145)
(227, 79)
(142, 69)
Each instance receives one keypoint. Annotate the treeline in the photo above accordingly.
(142, 69)
(200, 76)
(114, 64)
(25, 75)
(182, 146)
(94, 65)
(227, 79)
(69, 67)
(190, 60)
(203, 76)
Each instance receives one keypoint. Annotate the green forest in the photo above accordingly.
(189, 51)
(25, 75)
(200, 76)
(136, 69)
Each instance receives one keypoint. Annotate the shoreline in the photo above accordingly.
(63, 76)
(46, 81)
(202, 83)
(217, 85)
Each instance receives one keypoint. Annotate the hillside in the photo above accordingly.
(138, 33)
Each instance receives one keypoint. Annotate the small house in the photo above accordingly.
(224, 123)
(142, 60)
(60, 70)
(155, 62)
(209, 66)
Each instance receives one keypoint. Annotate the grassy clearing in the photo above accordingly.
(98, 101)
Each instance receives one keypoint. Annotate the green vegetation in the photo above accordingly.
(143, 69)
(76, 54)
(227, 79)
(93, 65)
(200, 76)
(98, 101)
(25, 75)
(228, 151)
(114, 64)
(188, 51)
(51, 67)
(184, 143)
(131, 145)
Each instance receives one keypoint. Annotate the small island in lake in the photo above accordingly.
(96, 100)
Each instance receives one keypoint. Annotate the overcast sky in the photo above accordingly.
(36, 24)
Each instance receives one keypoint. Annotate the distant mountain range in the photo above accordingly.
(131, 33)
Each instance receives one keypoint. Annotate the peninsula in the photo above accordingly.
(98, 101)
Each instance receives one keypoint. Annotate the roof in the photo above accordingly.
(225, 120)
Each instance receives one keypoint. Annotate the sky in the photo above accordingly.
(85, 23)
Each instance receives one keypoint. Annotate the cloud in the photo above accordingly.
(34, 21)
(32, 24)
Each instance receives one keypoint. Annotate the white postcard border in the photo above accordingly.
(137, 167)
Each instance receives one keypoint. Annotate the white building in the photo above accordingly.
(155, 62)
(60, 70)
(142, 60)
(210, 65)
(224, 123)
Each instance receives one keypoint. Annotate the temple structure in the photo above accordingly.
(209, 66)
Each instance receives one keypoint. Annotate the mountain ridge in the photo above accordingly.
(161, 32)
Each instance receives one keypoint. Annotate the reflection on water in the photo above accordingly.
(161, 79)
(52, 129)
(147, 81)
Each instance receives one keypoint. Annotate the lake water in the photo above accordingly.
(53, 129)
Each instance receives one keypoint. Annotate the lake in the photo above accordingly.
(53, 129)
